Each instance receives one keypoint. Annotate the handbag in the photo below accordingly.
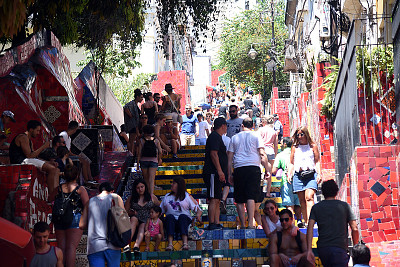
(306, 174)
(118, 225)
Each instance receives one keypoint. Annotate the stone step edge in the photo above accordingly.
(197, 254)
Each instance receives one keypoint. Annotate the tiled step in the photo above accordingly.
(182, 163)
(184, 167)
(197, 156)
(169, 158)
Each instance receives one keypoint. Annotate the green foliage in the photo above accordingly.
(124, 89)
(370, 62)
(13, 16)
(116, 63)
(254, 26)
(329, 84)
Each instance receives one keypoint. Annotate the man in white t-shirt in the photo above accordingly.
(234, 123)
(203, 131)
(246, 152)
(72, 128)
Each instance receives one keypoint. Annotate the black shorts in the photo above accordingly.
(247, 183)
(133, 130)
(214, 186)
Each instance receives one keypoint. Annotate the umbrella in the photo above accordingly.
(17, 248)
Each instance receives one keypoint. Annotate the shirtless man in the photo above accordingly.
(285, 249)
(46, 255)
(21, 152)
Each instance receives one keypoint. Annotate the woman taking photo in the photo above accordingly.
(68, 236)
(138, 206)
(177, 205)
(304, 158)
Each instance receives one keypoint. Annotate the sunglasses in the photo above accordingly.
(300, 135)
(270, 208)
(284, 220)
(144, 118)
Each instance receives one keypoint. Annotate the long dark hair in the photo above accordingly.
(134, 194)
(271, 201)
(181, 194)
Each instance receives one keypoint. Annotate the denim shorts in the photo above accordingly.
(271, 156)
(301, 185)
(111, 256)
(288, 197)
(148, 164)
(74, 224)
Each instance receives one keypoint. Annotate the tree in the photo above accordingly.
(252, 28)
(94, 23)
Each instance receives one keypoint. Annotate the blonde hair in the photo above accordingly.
(303, 129)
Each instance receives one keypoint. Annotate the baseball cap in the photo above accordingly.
(9, 114)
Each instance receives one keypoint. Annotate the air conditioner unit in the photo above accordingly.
(325, 22)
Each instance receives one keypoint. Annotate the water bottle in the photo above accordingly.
(265, 186)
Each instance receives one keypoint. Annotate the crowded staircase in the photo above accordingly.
(228, 247)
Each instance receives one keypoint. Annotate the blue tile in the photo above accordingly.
(231, 218)
(369, 219)
(228, 234)
(378, 189)
(250, 233)
(239, 234)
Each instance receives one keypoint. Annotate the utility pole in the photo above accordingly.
(273, 43)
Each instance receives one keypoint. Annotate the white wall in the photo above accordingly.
(201, 78)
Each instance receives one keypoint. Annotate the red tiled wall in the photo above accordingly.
(215, 75)
(280, 106)
(374, 181)
(179, 81)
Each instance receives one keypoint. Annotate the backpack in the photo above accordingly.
(118, 224)
(63, 208)
(298, 240)
(149, 148)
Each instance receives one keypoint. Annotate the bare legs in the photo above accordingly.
(149, 176)
(140, 235)
(53, 176)
(131, 142)
(68, 240)
(257, 215)
(269, 182)
(157, 239)
(213, 211)
(250, 205)
(306, 202)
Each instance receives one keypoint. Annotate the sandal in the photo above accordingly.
(169, 248)
(147, 249)
(185, 247)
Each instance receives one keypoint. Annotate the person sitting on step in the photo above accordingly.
(286, 249)
(138, 206)
(170, 135)
(177, 205)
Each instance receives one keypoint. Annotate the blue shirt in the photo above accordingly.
(189, 124)
(278, 127)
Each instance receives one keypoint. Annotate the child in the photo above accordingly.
(154, 228)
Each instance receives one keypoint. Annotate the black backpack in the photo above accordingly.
(149, 148)
(298, 240)
(63, 208)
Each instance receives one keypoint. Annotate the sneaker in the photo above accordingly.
(174, 156)
(211, 226)
(222, 207)
(300, 224)
(218, 227)
(156, 187)
(136, 250)
(127, 248)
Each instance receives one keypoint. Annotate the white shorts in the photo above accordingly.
(35, 162)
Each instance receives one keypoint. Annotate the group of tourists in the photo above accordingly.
(240, 151)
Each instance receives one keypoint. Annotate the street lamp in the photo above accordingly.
(252, 53)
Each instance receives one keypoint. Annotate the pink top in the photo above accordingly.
(154, 228)
(268, 135)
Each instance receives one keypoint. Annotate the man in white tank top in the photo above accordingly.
(46, 255)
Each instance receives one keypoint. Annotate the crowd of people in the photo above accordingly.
(241, 150)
